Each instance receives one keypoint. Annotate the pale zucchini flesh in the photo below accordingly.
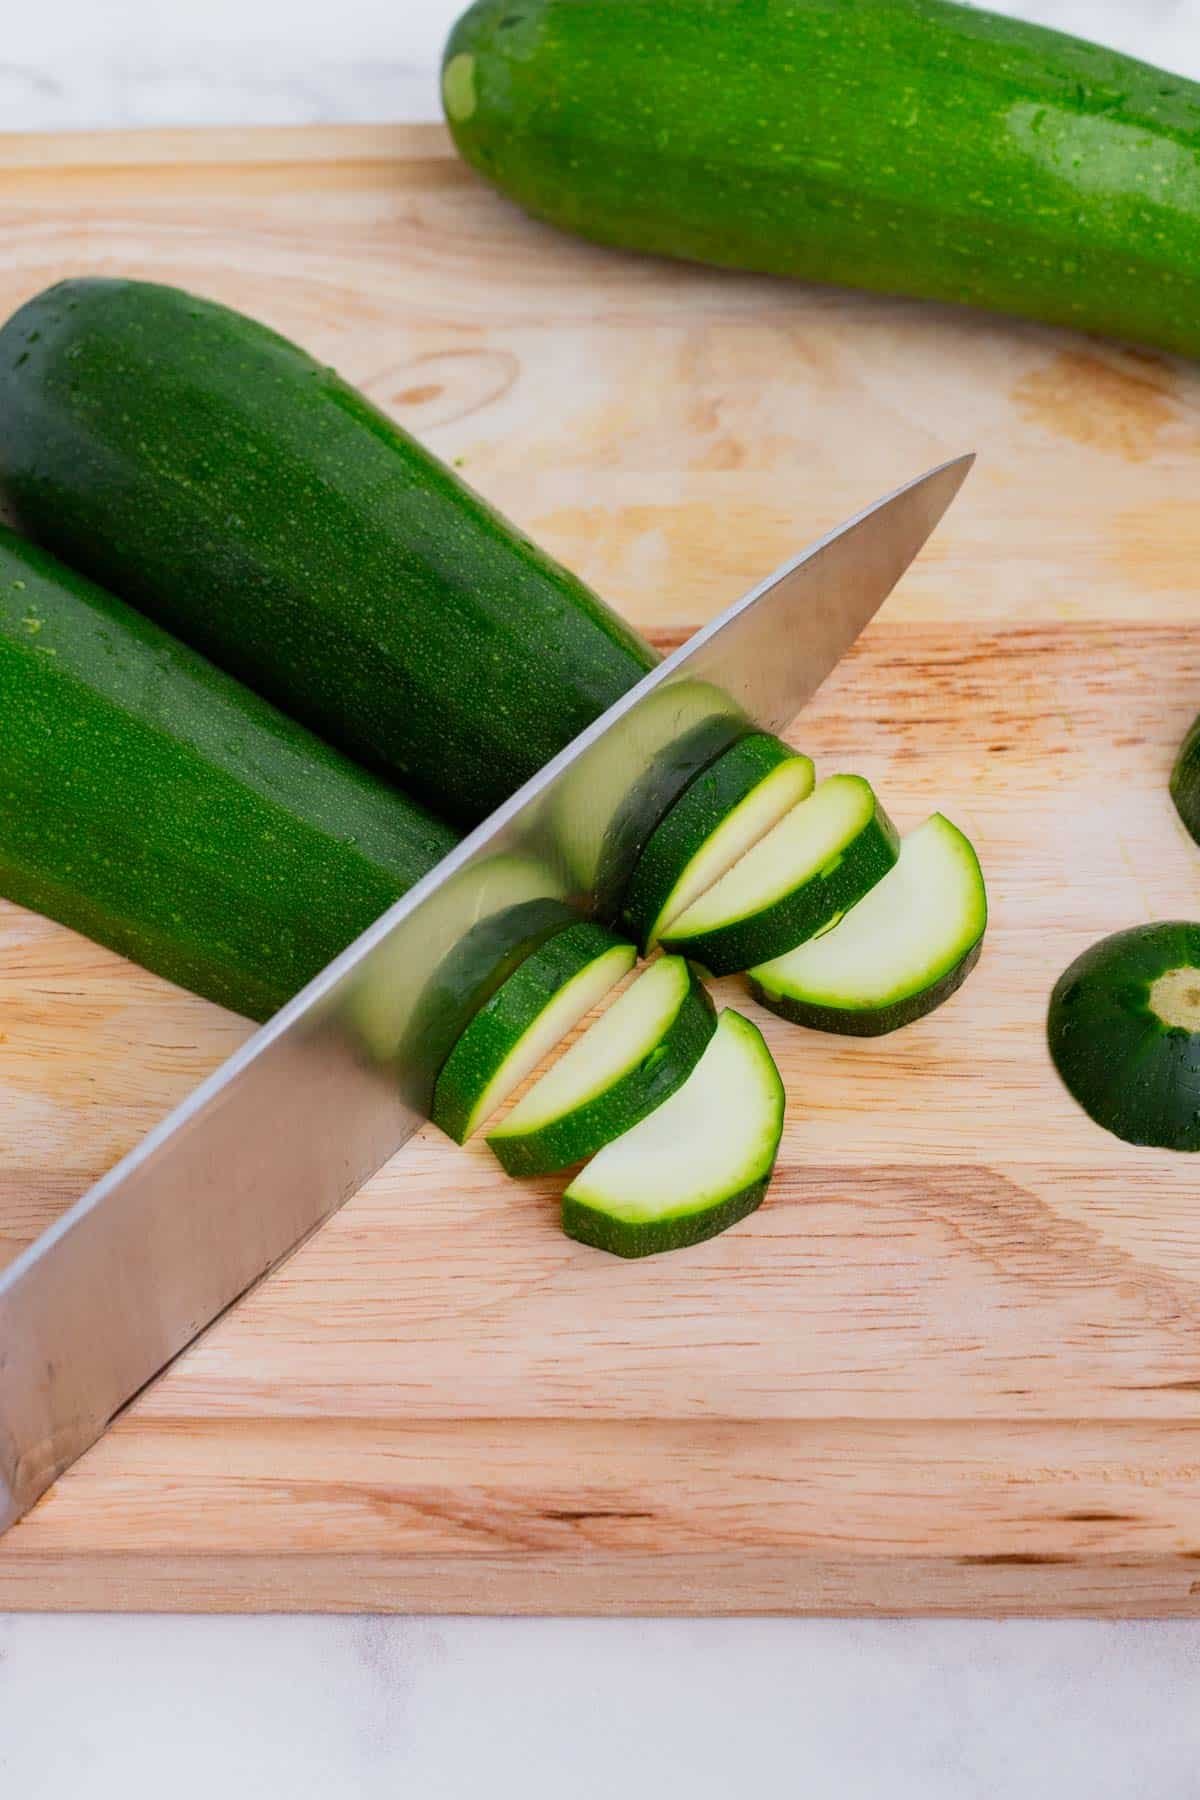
(555, 987)
(904, 949)
(817, 863)
(726, 809)
(631, 1060)
(695, 1165)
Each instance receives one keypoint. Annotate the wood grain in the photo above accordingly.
(953, 1364)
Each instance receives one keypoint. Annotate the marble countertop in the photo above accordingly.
(292, 62)
(373, 1707)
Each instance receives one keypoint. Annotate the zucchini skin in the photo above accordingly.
(579, 1134)
(868, 1022)
(698, 812)
(908, 146)
(652, 1237)
(1131, 1074)
(152, 803)
(264, 511)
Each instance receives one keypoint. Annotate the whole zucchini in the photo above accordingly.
(153, 803)
(909, 146)
(254, 504)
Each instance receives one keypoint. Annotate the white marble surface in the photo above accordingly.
(367, 1708)
(175, 62)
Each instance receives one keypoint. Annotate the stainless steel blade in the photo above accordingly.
(316, 1101)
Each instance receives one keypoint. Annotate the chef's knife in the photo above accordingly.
(312, 1105)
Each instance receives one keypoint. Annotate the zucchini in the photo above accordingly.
(626, 1064)
(554, 987)
(152, 803)
(1185, 781)
(693, 1167)
(820, 859)
(1124, 1034)
(904, 949)
(907, 146)
(255, 505)
(726, 809)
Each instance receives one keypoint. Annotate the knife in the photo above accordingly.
(318, 1099)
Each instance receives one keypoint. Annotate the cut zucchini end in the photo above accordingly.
(635, 1056)
(1123, 1030)
(521, 1024)
(898, 954)
(695, 1165)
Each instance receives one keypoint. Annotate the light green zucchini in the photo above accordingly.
(693, 1167)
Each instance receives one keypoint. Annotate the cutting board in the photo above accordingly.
(953, 1364)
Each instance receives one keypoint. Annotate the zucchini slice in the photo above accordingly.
(632, 1059)
(821, 858)
(695, 1165)
(1185, 781)
(906, 947)
(545, 996)
(1124, 1034)
(727, 808)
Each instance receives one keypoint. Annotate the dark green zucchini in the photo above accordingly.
(909, 146)
(151, 802)
(1185, 781)
(1124, 1034)
(254, 504)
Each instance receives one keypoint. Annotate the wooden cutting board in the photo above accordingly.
(953, 1365)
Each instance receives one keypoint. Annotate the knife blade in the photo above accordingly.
(316, 1101)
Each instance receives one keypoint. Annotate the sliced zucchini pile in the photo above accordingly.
(694, 1166)
(556, 985)
(903, 950)
(632, 1059)
(817, 863)
(1124, 1034)
(680, 1111)
(728, 808)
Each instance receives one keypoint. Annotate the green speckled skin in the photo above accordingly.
(909, 146)
(1135, 1076)
(151, 802)
(503, 1020)
(633, 1096)
(700, 809)
(261, 509)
